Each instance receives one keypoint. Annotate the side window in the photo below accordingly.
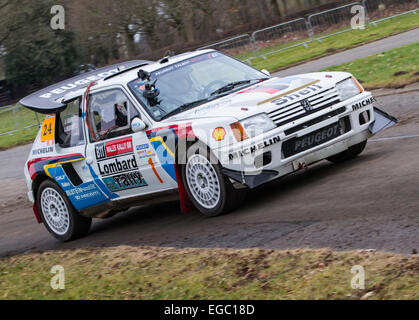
(70, 125)
(110, 113)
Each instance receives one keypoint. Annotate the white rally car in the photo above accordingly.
(201, 127)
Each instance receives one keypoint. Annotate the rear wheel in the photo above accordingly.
(349, 154)
(211, 192)
(58, 215)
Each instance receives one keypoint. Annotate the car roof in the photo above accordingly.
(51, 99)
(128, 76)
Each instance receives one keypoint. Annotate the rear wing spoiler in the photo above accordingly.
(49, 100)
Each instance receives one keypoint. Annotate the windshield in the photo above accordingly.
(194, 81)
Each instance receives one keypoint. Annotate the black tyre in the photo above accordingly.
(349, 154)
(58, 215)
(211, 192)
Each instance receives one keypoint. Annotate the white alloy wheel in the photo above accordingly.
(55, 211)
(203, 181)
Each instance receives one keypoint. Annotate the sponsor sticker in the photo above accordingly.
(113, 148)
(117, 165)
(254, 148)
(42, 150)
(118, 147)
(219, 134)
(311, 140)
(295, 95)
(142, 147)
(125, 181)
(82, 196)
(362, 104)
(146, 154)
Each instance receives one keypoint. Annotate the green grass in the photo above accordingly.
(166, 273)
(330, 45)
(17, 117)
(391, 69)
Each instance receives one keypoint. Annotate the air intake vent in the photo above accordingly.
(72, 174)
(296, 111)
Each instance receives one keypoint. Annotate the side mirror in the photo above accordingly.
(266, 72)
(138, 125)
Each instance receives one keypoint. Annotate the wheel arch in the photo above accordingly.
(183, 146)
(36, 183)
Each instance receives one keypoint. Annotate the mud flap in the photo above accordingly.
(382, 121)
(186, 204)
(36, 212)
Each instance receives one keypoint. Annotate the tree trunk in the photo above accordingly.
(130, 43)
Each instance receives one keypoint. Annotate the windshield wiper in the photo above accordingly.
(232, 85)
(225, 88)
(184, 107)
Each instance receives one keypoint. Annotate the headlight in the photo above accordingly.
(252, 127)
(349, 88)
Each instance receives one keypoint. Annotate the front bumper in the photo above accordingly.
(245, 162)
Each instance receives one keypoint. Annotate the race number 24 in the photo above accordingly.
(48, 129)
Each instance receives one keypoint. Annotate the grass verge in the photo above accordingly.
(17, 118)
(330, 45)
(167, 273)
(391, 69)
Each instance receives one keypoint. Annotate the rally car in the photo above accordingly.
(201, 127)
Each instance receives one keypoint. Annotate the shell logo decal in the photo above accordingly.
(219, 134)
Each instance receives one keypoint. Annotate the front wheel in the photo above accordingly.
(210, 192)
(349, 154)
(58, 215)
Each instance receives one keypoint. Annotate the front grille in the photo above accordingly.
(315, 121)
(296, 111)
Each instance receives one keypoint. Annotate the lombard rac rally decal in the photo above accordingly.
(125, 181)
(118, 166)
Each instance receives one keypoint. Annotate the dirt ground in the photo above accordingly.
(371, 202)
